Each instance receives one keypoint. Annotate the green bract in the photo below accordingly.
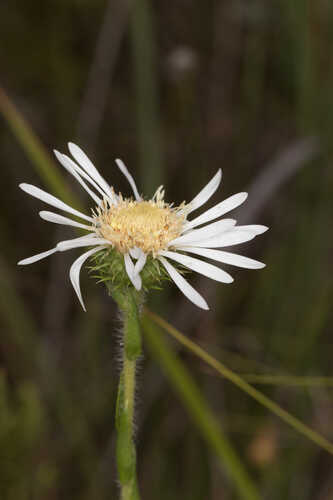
(108, 267)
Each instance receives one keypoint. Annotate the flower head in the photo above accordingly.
(148, 225)
(140, 231)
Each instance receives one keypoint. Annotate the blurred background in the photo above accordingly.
(177, 90)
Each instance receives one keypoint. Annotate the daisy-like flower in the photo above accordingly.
(140, 229)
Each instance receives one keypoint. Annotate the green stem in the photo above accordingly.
(125, 449)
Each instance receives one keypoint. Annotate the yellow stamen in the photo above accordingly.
(149, 225)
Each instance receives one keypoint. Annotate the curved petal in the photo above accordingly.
(129, 177)
(74, 173)
(129, 266)
(226, 239)
(70, 165)
(35, 258)
(52, 200)
(220, 209)
(184, 286)
(62, 246)
(135, 252)
(140, 263)
(60, 219)
(89, 167)
(226, 257)
(201, 267)
(74, 272)
(204, 195)
(211, 231)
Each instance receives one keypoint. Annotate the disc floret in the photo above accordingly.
(145, 224)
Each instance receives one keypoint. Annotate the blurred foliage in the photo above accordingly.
(25, 469)
(215, 83)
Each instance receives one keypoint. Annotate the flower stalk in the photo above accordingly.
(129, 303)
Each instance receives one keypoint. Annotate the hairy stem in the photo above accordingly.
(125, 448)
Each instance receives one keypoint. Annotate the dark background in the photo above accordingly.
(178, 90)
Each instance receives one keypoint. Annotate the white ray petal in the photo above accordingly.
(184, 286)
(210, 231)
(75, 174)
(85, 236)
(62, 246)
(35, 258)
(89, 167)
(52, 200)
(69, 164)
(220, 209)
(129, 266)
(140, 263)
(60, 219)
(135, 252)
(226, 257)
(129, 177)
(205, 193)
(227, 239)
(256, 229)
(75, 269)
(213, 272)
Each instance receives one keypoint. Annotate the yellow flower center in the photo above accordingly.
(149, 225)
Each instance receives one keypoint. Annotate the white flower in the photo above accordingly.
(139, 228)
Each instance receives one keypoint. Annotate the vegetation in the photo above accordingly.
(177, 90)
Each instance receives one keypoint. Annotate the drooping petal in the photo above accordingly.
(226, 239)
(140, 263)
(60, 219)
(226, 257)
(89, 167)
(65, 162)
(35, 258)
(129, 177)
(129, 266)
(184, 286)
(204, 195)
(210, 231)
(135, 252)
(75, 269)
(201, 267)
(217, 211)
(83, 241)
(52, 200)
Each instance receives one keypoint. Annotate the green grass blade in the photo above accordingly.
(289, 380)
(42, 162)
(198, 410)
(294, 422)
